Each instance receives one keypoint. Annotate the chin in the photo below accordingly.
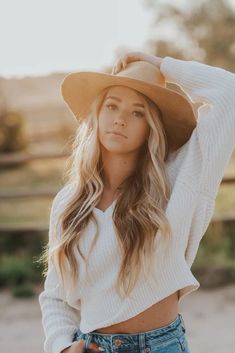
(115, 149)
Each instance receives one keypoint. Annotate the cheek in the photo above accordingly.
(101, 123)
(142, 131)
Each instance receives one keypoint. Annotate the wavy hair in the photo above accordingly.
(140, 205)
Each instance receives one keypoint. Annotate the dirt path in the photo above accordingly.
(209, 316)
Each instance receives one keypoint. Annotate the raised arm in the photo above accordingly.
(215, 132)
(60, 321)
(215, 87)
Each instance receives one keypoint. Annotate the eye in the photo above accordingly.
(139, 113)
(110, 105)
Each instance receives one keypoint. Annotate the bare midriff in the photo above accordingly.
(160, 314)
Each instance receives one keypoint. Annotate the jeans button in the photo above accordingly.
(147, 349)
(117, 342)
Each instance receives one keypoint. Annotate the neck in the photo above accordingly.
(117, 167)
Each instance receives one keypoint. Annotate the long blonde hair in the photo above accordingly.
(140, 206)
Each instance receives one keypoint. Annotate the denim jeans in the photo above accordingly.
(165, 339)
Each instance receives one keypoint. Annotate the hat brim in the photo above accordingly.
(79, 89)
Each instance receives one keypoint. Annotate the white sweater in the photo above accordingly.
(195, 171)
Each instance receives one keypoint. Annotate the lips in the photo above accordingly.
(116, 133)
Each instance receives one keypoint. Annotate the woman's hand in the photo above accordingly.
(79, 347)
(135, 56)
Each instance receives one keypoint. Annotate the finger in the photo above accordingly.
(94, 347)
(79, 346)
(124, 62)
(115, 66)
(120, 65)
(113, 70)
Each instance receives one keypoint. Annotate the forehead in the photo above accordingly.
(123, 92)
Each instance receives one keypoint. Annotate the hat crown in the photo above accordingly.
(144, 71)
(79, 89)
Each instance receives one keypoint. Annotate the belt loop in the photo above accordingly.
(182, 323)
(142, 342)
(88, 340)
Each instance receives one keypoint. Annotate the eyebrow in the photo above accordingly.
(118, 99)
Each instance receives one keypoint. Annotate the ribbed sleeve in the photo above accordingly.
(59, 320)
(215, 87)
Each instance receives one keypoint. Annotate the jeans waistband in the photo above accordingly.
(121, 340)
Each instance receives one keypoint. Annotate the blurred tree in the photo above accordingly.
(204, 31)
(13, 137)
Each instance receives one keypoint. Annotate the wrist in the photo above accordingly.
(65, 350)
(156, 60)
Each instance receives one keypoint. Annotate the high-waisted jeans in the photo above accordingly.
(165, 339)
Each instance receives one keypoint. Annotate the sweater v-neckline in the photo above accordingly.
(106, 211)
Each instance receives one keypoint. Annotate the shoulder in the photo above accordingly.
(58, 205)
(62, 197)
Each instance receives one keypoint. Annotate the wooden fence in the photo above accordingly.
(18, 158)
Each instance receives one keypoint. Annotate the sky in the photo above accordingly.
(40, 37)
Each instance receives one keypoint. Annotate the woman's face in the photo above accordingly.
(122, 111)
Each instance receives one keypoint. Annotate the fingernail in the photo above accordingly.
(94, 347)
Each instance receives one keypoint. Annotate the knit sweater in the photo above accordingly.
(195, 172)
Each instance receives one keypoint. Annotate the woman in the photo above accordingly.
(143, 178)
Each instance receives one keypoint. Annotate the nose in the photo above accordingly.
(120, 121)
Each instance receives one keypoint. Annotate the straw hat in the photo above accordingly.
(79, 89)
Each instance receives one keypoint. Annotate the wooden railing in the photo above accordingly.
(18, 158)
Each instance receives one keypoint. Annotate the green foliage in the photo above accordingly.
(12, 132)
(18, 270)
(21, 243)
(23, 290)
(215, 261)
(202, 31)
